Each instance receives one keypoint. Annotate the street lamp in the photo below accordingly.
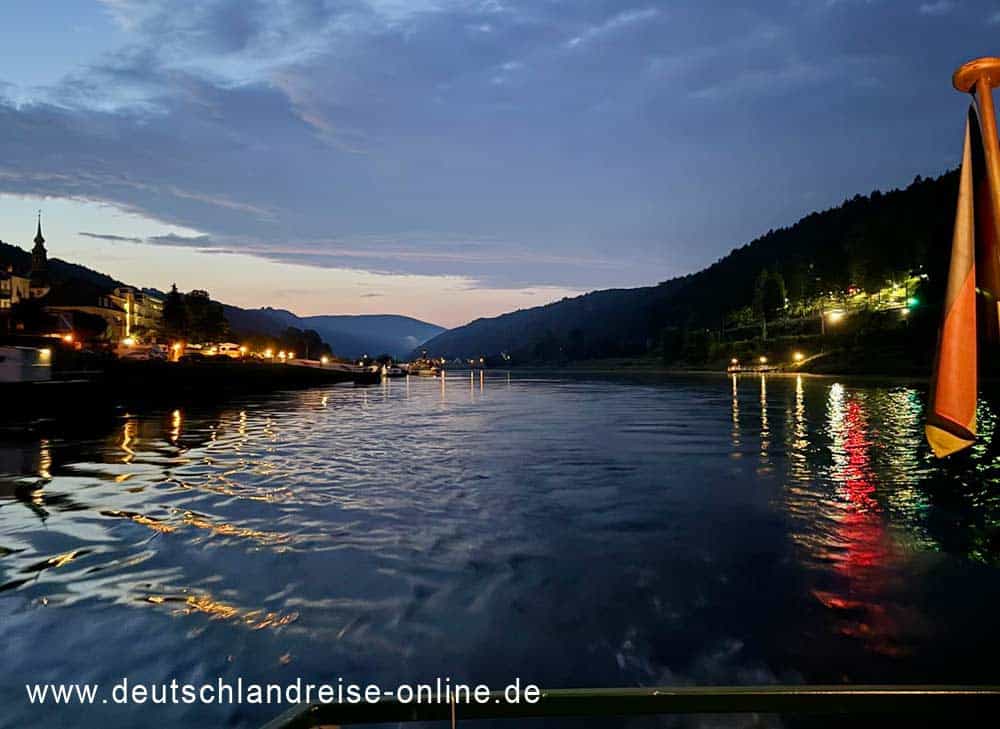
(798, 356)
(763, 360)
(834, 316)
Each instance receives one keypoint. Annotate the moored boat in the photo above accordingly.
(424, 367)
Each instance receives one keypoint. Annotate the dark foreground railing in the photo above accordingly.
(947, 702)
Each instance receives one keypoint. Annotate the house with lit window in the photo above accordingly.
(68, 299)
(13, 288)
(143, 311)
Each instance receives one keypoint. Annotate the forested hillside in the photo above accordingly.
(60, 271)
(784, 279)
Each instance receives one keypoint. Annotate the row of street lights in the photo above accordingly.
(833, 316)
(797, 357)
(177, 349)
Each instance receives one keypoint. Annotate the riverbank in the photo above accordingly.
(122, 383)
(855, 362)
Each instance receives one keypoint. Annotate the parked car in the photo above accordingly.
(233, 351)
(143, 352)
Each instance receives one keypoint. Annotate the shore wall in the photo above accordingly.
(123, 383)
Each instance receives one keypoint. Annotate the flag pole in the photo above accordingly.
(979, 77)
(973, 280)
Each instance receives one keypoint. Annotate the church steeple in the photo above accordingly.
(39, 284)
(39, 240)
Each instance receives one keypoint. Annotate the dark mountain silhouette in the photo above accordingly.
(865, 241)
(606, 323)
(264, 321)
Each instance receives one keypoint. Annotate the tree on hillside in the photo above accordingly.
(796, 282)
(175, 321)
(742, 317)
(671, 344)
(193, 317)
(206, 320)
(306, 344)
(696, 345)
(769, 295)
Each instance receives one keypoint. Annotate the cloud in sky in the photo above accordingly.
(939, 7)
(111, 237)
(510, 143)
(619, 21)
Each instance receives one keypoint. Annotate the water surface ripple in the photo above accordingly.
(570, 531)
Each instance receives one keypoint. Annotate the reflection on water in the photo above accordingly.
(568, 531)
(852, 538)
(765, 431)
(736, 417)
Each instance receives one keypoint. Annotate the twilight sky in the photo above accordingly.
(451, 159)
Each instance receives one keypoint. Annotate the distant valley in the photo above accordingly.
(349, 336)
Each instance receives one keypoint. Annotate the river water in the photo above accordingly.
(568, 531)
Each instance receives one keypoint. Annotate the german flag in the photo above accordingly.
(971, 305)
